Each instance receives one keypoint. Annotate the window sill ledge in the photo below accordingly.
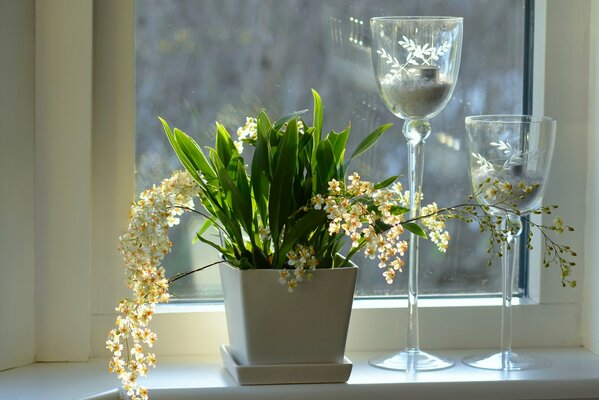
(574, 374)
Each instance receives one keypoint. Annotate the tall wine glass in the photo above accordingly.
(416, 62)
(514, 149)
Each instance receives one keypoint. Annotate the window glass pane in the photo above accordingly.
(203, 61)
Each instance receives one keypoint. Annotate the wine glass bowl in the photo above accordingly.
(416, 62)
(508, 161)
(513, 149)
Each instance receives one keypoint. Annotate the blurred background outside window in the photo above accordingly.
(198, 62)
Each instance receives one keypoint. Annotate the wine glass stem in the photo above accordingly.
(507, 288)
(415, 167)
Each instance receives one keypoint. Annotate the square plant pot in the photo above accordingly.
(267, 325)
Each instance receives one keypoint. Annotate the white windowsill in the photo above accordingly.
(362, 304)
(574, 374)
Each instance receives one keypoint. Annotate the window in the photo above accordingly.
(198, 62)
(552, 316)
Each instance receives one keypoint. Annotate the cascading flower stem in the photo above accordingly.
(144, 246)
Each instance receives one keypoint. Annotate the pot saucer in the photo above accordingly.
(278, 374)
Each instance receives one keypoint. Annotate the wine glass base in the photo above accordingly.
(511, 361)
(411, 360)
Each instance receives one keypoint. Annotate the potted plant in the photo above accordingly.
(274, 235)
(283, 217)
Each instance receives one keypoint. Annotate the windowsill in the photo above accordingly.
(574, 374)
(363, 304)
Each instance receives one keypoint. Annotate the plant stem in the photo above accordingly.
(208, 217)
(184, 274)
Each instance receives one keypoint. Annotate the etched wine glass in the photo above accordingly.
(516, 151)
(416, 62)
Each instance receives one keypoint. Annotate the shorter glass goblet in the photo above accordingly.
(514, 150)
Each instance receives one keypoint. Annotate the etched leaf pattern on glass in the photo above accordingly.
(515, 157)
(417, 55)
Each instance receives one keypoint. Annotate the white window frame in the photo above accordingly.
(552, 316)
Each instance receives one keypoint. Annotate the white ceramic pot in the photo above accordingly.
(268, 325)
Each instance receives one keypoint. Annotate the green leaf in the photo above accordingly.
(338, 141)
(370, 140)
(384, 183)
(216, 205)
(179, 151)
(243, 186)
(325, 161)
(275, 137)
(279, 123)
(240, 205)
(414, 228)
(281, 189)
(260, 168)
(263, 123)
(305, 147)
(223, 201)
(263, 132)
(244, 263)
(260, 259)
(169, 134)
(210, 243)
(317, 117)
(205, 226)
(194, 155)
(303, 178)
(215, 160)
(224, 145)
(306, 224)
(399, 210)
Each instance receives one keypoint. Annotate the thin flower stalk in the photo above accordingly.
(144, 246)
(374, 221)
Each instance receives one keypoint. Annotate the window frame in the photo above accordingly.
(549, 309)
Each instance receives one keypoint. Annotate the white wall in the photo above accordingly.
(591, 282)
(45, 180)
(63, 194)
(17, 130)
(566, 100)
